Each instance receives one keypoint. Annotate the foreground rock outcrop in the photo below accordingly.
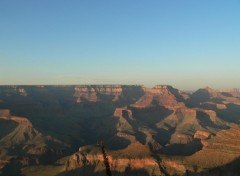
(90, 161)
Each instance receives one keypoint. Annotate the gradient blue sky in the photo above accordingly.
(187, 44)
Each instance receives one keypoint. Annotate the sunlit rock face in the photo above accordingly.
(202, 135)
(162, 95)
(89, 159)
(96, 93)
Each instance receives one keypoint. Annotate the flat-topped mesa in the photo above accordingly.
(94, 93)
(163, 95)
(159, 89)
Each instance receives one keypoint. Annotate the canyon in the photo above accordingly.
(57, 130)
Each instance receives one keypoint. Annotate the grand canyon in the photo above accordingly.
(119, 88)
(139, 131)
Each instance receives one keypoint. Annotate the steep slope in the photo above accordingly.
(27, 143)
(160, 129)
(176, 132)
(132, 129)
(162, 95)
(225, 104)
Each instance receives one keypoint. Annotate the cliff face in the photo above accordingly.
(94, 93)
(162, 95)
(218, 151)
(91, 161)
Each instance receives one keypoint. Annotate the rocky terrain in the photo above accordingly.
(19, 139)
(57, 130)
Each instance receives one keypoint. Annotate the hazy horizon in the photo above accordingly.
(146, 86)
(186, 44)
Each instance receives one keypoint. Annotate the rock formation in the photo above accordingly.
(162, 95)
(27, 140)
(90, 159)
(147, 131)
(97, 93)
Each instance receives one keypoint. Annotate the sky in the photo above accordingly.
(188, 44)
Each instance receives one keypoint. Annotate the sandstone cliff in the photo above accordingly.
(162, 95)
(89, 161)
(95, 93)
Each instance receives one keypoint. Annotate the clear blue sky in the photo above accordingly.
(187, 44)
